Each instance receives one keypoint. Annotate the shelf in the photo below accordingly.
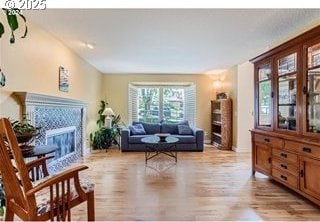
(314, 93)
(313, 67)
(287, 104)
(216, 123)
(216, 112)
(218, 145)
(216, 134)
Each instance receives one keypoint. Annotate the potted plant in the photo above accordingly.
(104, 137)
(24, 131)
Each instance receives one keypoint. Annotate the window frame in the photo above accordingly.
(161, 86)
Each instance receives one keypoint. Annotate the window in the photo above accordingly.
(171, 103)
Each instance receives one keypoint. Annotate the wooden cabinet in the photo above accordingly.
(286, 138)
(262, 158)
(310, 177)
(221, 123)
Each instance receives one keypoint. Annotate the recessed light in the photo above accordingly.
(90, 46)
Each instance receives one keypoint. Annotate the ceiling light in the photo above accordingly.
(90, 46)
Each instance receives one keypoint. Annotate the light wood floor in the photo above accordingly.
(210, 185)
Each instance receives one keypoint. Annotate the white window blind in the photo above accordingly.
(190, 104)
(133, 103)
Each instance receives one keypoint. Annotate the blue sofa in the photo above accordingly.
(194, 142)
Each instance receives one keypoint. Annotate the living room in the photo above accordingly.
(165, 69)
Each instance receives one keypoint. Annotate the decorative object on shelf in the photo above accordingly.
(108, 113)
(63, 79)
(222, 95)
(105, 137)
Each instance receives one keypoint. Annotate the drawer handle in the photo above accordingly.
(306, 149)
(267, 140)
(284, 177)
(283, 155)
(301, 173)
(283, 166)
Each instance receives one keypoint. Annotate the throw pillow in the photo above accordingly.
(184, 130)
(137, 129)
(184, 122)
(169, 128)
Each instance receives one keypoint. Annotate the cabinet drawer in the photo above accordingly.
(309, 150)
(301, 148)
(285, 166)
(284, 155)
(291, 146)
(286, 178)
(268, 140)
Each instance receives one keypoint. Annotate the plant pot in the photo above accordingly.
(25, 138)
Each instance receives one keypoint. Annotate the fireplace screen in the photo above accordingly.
(64, 138)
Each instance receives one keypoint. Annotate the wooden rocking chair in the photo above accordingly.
(50, 198)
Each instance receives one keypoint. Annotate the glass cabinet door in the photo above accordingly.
(264, 91)
(313, 89)
(287, 91)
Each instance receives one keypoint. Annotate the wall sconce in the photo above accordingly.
(217, 84)
(108, 112)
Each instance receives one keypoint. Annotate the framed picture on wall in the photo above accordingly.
(63, 79)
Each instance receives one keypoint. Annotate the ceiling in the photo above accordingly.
(173, 41)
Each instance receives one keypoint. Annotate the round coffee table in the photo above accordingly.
(155, 146)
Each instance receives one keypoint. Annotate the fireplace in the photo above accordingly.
(64, 139)
(61, 122)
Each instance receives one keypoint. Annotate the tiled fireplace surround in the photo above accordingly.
(49, 113)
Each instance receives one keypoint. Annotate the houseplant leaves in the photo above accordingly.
(12, 19)
(1, 29)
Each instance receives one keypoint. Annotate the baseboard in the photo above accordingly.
(239, 150)
(207, 141)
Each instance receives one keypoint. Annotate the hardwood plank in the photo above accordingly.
(209, 185)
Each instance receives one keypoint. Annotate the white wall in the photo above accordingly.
(32, 65)
(237, 82)
(245, 106)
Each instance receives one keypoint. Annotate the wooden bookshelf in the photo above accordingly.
(221, 123)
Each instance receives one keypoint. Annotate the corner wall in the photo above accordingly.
(116, 93)
(238, 83)
(32, 65)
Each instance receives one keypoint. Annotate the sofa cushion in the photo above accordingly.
(137, 138)
(149, 127)
(186, 138)
(137, 129)
(184, 130)
(183, 122)
(169, 128)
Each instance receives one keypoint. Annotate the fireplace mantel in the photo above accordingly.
(51, 112)
(28, 98)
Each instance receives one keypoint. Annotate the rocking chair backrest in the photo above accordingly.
(13, 189)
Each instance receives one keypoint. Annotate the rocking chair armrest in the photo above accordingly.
(68, 174)
(38, 162)
(38, 168)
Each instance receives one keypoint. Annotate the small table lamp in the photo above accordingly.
(108, 112)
